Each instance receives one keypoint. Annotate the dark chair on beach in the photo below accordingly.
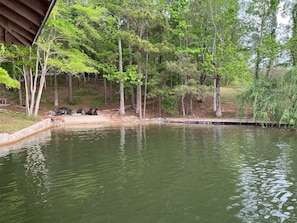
(90, 112)
(63, 111)
(79, 111)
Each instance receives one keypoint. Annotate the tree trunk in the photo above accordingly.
(27, 89)
(70, 95)
(111, 91)
(42, 80)
(218, 97)
(122, 93)
(105, 90)
(190, 104)
(20, 93)
(31, 82)
(257, 65)
(104, 78)
(294, 36)
(56, 101)
(33, 87)
(214, 49)
(258, 53)
(96, 84)
(160, 105)
(183, 105)
(214, 94)
(138, 102)
(130, 50)
(269, 67)
(40, 89)
(132, 98)
(145, 84)
(30, 89)
(273, 35)
(122, 98)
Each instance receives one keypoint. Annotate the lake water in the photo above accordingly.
(153, 173)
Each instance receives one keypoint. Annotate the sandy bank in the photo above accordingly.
(102, 118)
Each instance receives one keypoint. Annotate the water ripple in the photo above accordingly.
(156, 174)
(263, 194)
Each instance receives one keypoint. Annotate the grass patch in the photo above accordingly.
(85, 92)
(228, 95)
(97, 101)
(12, 122)
(77, 100)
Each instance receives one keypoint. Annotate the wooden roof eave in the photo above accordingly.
(44, 20)
(21, 21)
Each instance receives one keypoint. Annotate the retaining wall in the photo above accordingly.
(6, 139)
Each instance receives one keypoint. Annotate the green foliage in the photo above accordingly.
(235, 66)
(72, 31)
(187, 43)
(5, 76)
(289, 89)
(130, 76)
(208, 64)
(273, 99)
(170, 105)
(97, 101)
(136, 41)
(263, 41)
(85, 92)
(76, 100)
(74, 62)
(7, 80)
(264, 96)
(133, 76)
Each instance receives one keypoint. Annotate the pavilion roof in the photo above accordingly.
(21, 21)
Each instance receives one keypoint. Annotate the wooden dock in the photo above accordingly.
(221, 121)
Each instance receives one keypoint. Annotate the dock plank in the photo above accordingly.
(220, 121)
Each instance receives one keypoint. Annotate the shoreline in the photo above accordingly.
(65, 121)
(113, 119)
(8, 139)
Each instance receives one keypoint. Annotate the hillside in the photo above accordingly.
(85, 97)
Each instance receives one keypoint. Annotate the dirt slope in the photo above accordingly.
(86, 96)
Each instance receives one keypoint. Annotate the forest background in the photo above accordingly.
(169, 52)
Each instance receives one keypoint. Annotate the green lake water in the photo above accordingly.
(152, 173)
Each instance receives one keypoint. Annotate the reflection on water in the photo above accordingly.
(264, 187)
(159, 173)
(39, 138)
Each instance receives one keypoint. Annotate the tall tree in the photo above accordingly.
(263, 24)
(117, 11)
(223, 27)
(73, 49)
(293, 40)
